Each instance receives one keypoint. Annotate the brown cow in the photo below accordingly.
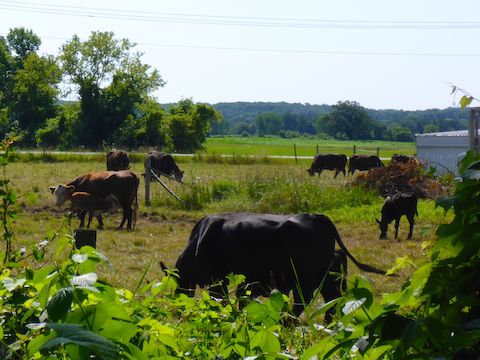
(122, 185)
(117, 160)
(85, 202)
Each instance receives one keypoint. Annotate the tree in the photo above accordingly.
(348, 120)
(111, 82)
(399, 133)
(22, 42)
(430, 128)
(269, 123)
(188, 124)
(34, 94)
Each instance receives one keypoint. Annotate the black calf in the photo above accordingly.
(394, 207)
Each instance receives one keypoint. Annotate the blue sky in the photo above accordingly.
(380, 53)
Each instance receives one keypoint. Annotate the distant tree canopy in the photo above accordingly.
(114, 104)
(348, 121)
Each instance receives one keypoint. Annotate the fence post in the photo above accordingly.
(148, 169)
(354, 149)
(378, 151)
(84, 237)
(295, 150)
(317, 149)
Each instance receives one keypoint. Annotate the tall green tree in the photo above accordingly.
(347, 120)
(269, 123)
(35, 93)
(111, 82)
(188, 124)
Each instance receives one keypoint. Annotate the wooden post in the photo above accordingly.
(378, 151)
(85, 237)
(473, 130)
(148, 170)
(354, 149)
(295, 151)
(317, 150)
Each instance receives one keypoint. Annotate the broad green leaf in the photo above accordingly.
(265, 341)
(259, 313)
(376, 352)
(75, 334)
(60, 304)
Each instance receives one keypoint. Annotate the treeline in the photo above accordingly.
(338, 121)
(113, 88)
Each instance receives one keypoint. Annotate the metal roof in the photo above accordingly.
(446, 133)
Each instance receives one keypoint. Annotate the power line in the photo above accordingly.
(150, 16)
(296, 51)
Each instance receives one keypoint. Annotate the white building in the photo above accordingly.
(442, 150)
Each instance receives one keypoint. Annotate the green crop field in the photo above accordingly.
(268, 146)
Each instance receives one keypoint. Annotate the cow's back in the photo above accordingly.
(329, 162)
(103, 183)
(256, 245)
(117, 160)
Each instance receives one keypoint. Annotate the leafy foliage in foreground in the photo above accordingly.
(54, 305)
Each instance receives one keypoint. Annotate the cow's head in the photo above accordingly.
(311, 172)
(62, 193)
(383, 228)
(179, 176)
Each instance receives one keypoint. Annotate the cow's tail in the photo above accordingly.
(364, 267)
(135, 206)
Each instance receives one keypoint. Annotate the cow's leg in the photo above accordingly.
(320, 172)
(81, 216)
(397, 224)
(336, 173)
(411, 221)
(331, 291)
(127, 216)
(90, 215)
(344, 172)
(100, 221)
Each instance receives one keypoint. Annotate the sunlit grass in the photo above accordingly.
(163, 228)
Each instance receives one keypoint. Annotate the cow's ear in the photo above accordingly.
(52, 189)
(378, 221)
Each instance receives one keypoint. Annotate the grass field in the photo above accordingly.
(267, 146)
(163, 228)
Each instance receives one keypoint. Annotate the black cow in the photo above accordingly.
(117, 160)
(328, 162)
(393, 208)
(402, 159)
(164, 164)
(296, 252)
(363, 162)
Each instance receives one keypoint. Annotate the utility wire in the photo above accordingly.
(180, 18)
(295, 51)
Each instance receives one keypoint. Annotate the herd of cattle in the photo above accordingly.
(288, 252)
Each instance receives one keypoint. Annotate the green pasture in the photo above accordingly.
(163, 228)
(276, 146)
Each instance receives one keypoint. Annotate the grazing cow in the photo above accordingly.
(122, 185)
(298, 250)
(402, 159)
(393, 208)
(363, 162)
(328, 162)
(164, 164)
(117, 160)
(85, 202)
